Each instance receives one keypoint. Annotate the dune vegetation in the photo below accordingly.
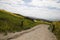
(56, 30)
(12, 22)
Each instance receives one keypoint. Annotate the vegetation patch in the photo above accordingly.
(57, 29)
(11, 22)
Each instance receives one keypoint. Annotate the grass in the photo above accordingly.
(57, 29)
(11, 22)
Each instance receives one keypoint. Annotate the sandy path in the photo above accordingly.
(40, 33)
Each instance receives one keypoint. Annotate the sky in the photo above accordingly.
(42, 9)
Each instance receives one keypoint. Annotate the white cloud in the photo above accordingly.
(45, 3)
(12, 1)
(36, 8)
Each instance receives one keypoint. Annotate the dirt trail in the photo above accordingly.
(41, 32)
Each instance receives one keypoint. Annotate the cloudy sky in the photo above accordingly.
(45, 9)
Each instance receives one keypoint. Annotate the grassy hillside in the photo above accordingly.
(57, 29)
(10, 22)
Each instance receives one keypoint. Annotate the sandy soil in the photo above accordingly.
(40, 32)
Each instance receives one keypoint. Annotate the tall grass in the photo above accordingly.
(10, 22)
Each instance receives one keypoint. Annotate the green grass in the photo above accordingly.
(11, 22)
(57, 29)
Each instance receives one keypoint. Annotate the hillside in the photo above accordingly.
(57, 29)
(10, 22)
